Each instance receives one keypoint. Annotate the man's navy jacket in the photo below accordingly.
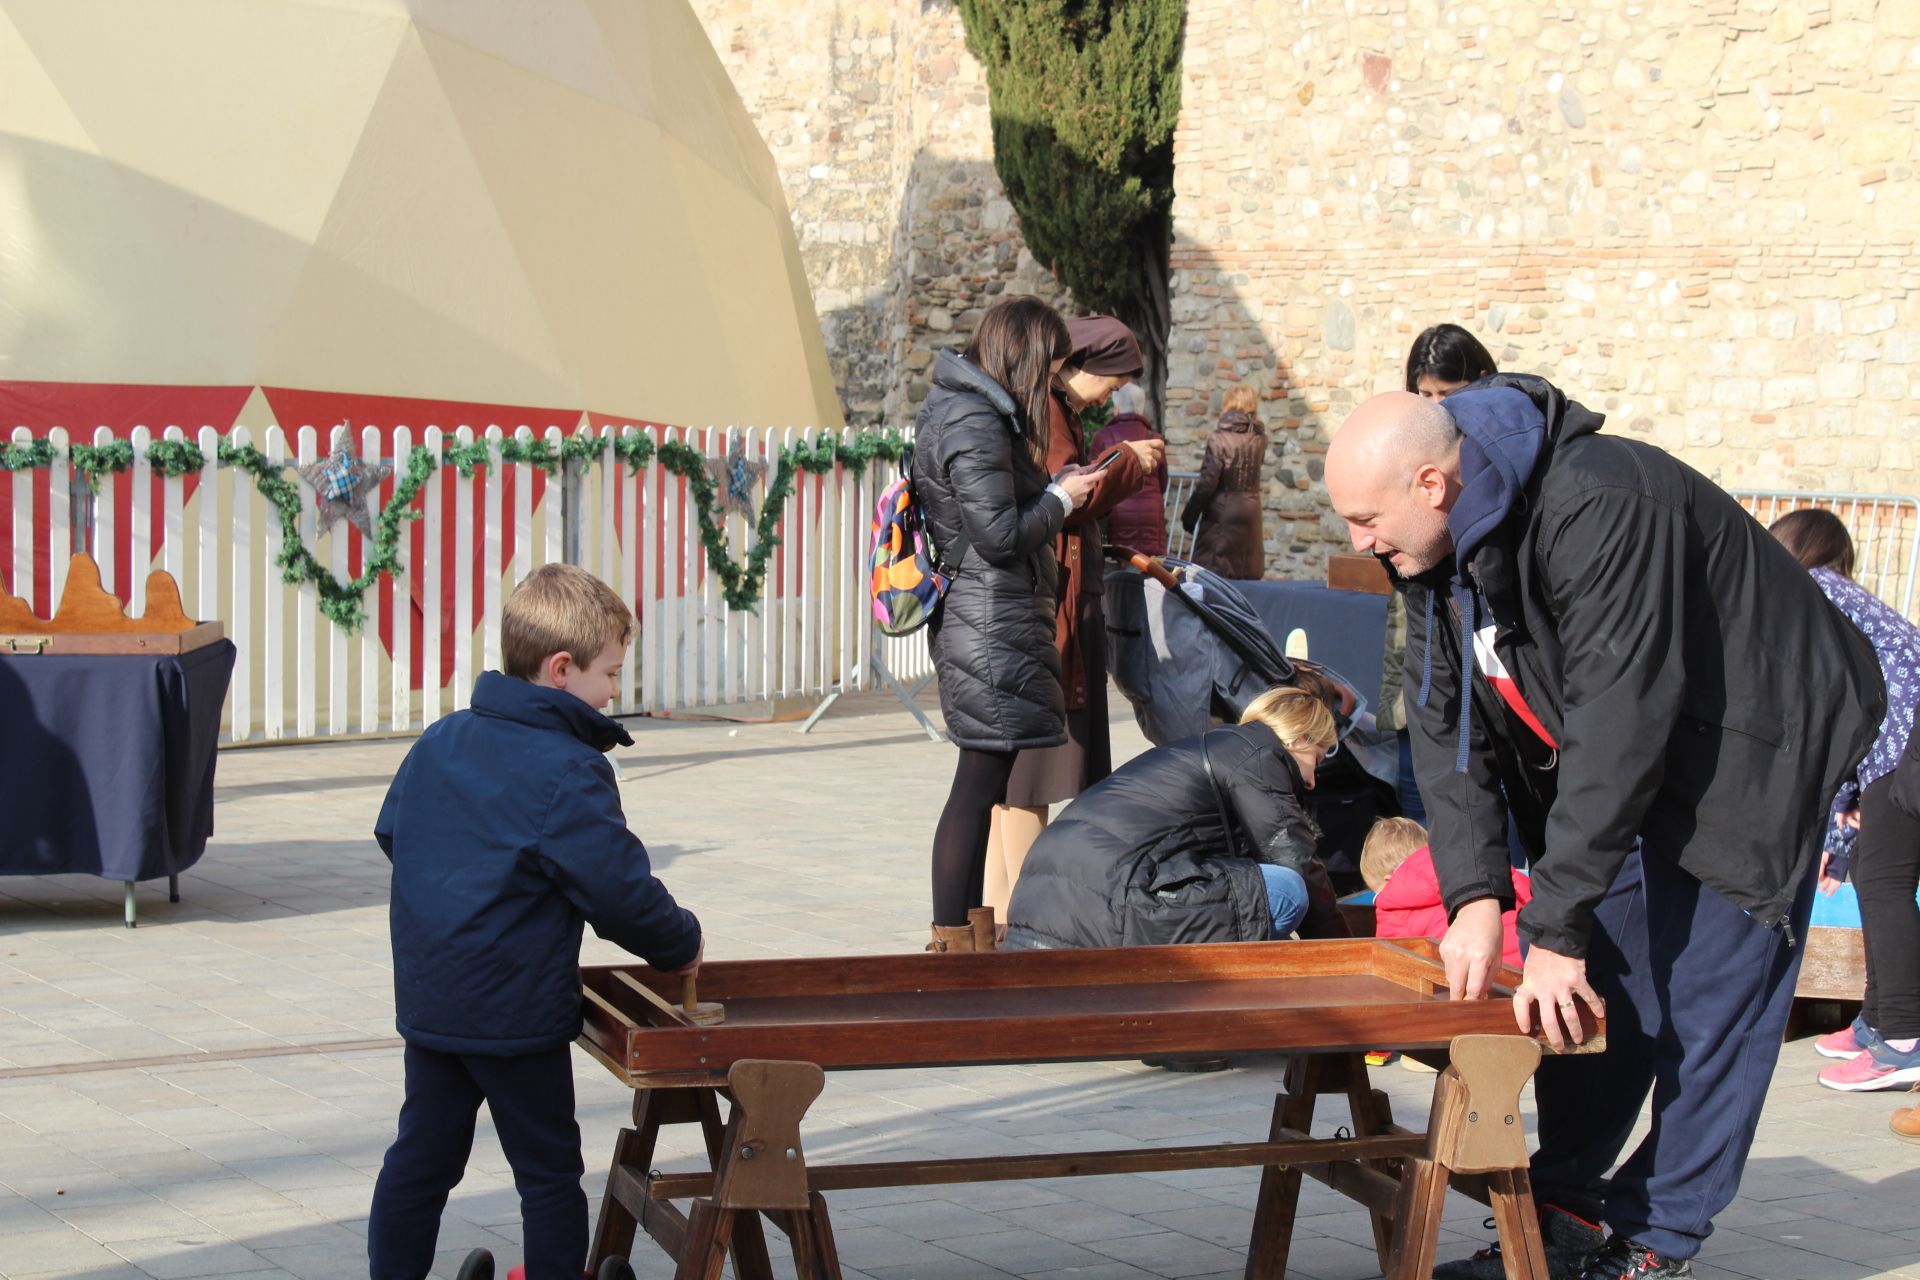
(506, 835)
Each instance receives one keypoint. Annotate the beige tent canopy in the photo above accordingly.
(559, 203)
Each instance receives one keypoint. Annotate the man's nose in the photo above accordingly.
(1362, 541)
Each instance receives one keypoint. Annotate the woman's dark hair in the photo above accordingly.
(1817, 538)
(1447, 353)
(1016, 344)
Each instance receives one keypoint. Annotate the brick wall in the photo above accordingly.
(1697, 217)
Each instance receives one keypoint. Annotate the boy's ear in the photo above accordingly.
(556, 669)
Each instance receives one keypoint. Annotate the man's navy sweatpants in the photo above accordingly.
(531, 1099)
(1697, 996)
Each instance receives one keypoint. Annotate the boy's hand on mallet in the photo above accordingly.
(692, 968)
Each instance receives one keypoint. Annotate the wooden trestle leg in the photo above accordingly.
(1474, 1127)
(759, 1167)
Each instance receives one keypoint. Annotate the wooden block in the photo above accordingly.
(1834, 966)
(1358, 573)
(91, 620)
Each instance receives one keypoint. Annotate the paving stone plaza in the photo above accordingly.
(210, 1094)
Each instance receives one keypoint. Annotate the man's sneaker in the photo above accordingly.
(1568, 1239)
(1846, 1042)
(1878, 1066)
(1624, 1259)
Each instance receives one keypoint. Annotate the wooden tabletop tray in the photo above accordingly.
(1037, 1006)
(91, 620)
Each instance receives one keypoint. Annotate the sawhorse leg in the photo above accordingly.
(1474, 1127)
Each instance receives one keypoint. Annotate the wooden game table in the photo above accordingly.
(1322, 1003)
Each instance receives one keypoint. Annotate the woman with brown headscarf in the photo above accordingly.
(1105, 357)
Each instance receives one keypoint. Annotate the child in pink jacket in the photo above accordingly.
(1397, 865)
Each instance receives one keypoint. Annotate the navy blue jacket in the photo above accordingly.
(506, 836)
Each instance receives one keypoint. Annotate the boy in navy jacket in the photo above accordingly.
(506, 835)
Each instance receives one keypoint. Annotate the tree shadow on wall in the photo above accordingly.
(954, 250)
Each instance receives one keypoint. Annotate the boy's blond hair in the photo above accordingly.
(1391, 842)
(560, 608)
(1299, 718)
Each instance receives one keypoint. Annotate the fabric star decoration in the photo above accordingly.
(341, 482)
(734, 478)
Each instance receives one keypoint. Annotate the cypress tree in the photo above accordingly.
(1084, 95)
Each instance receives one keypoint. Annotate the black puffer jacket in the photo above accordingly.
(1691, 684)
(1140, 858)
(993, 636)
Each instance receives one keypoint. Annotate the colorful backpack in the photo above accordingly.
(907, 580)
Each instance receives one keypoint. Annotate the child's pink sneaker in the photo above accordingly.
(1878, 1066)
(1843, 1044)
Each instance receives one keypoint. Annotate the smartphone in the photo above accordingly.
(1106, 462)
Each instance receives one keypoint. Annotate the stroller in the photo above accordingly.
(1188, 650)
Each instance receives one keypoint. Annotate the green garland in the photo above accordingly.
(35, 454)
(339, 601)
(95, 460)
(741, 583)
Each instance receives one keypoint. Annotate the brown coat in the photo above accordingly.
(1226, 500)
(1078, 546)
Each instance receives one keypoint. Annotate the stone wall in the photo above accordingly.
(1698, 217)
(877, 116)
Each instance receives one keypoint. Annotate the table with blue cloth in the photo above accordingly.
(107, 762)
(1346, 630)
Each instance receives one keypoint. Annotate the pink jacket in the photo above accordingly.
(1409, 904)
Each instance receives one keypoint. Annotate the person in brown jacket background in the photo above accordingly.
(1225, 506)
(1105, 357)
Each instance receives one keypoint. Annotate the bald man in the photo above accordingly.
(1665, 704)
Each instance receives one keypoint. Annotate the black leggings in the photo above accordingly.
(960, 841)
(1886, 869)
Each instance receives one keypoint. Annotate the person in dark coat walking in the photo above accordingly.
(1203, 840)
(979, 453)
(1606, 643)
(1140, 521)
(1105, 357)
(506, 836)
(1224, 512)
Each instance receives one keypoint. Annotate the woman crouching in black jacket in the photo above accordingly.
(1204, 840)
(979, 474)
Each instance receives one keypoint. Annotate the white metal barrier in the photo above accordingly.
(1885, 530)
(433, 626)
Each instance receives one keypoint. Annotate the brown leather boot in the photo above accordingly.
(985, 936)
(952, 938)
(1906, 1124)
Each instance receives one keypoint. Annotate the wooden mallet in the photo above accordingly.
(703, 1013)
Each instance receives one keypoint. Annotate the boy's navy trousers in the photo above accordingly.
(531, 1099)
(1697, 996)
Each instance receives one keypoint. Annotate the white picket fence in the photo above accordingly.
(301, 676)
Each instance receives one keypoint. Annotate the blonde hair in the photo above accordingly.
(1296, 716)
(1240, 398)
(560, 608)
(1391, 842)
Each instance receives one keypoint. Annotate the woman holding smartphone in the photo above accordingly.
(993, 511)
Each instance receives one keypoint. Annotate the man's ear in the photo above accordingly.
(1431, 482)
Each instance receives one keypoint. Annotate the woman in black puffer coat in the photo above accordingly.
(1205, 840)
(992, 513)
